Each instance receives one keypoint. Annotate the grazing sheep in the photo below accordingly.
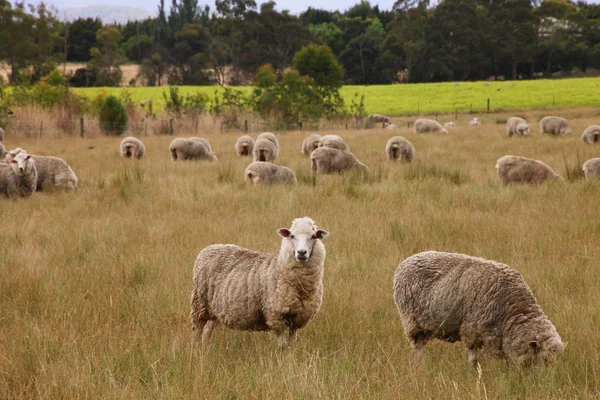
(514, 169)
(591, 135)
(450, 125)
(334, 142)
(132, 148)
(203, 141)
(474, 122)
(2, 152)
(1, 135)
(555, 126)
(390, 126)
(310, 143)
(327, 160)
(265, 150)
(379, 118)
(428, 125)
(244, 146)
(270, 137)
(254, 291)
(190, 149)
(260, 172)
(483, 303)
(517, 126)
(457, 84)
(398, 148)
(52, 172)
(591, 169)
(18, 178)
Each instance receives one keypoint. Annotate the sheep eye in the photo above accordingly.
(313, 237)
(292, 237)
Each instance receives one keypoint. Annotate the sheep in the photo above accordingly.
(390, 126)
(18, 178)
(327, 160)
(190, 149)
(591, 169)
(457, 84)
(379, 118)
(203, 141)
(264, 150)
(398, 148)
(517, 126)
(555, 126)
(449, 125)
(244, 146)
(310, 143)
(2, 151)
(52, 172)
(483, 303)
(591, 135)
(475, 122)
(132, 148)
(428, 125)
(271, 137)
(514, 169)
(1, 135)
(334, 142)
(254, 291)
(260, 172)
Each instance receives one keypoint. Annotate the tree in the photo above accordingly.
(81, 38)
(16, 42)
(113, 116)
(107, 58)
(321, 65)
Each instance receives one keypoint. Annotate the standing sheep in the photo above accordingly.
(398, 148)
(260, 172)
(132, 148)
(52, 172)
(190, 149)
(334, 142)
(483, 303)
(514, 169)
(326, 160)
(270, 137)
(428, 125)
(310, 143)
(379, 118)
(517, 126)
(254, 291)
(18, 178)
(591, 169)
(475, 122)
(554, 126)
(591, 135)
(265, 150)
(244, 146)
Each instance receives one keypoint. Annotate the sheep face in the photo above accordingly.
(565, 131)
(535, 354)
(22, 163)
(300, 238)
(523, 129)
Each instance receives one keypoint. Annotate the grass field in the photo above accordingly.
(95, 284)
(435, 97)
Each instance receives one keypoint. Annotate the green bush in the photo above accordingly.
(113, 116)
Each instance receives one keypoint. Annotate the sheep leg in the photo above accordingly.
(207, 332)
(473, 357)
(293, 335)
(279, 332)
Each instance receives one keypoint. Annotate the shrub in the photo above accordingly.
(113, 116)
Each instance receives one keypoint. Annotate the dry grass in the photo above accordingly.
(95, 285)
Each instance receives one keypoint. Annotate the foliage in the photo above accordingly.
(177, 105)
(320, 64)
(107, 57)
(113, 116)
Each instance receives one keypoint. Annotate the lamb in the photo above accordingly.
(132, 148)
(334, 142)
(52, 172)
(271, 137)
(265, 150)
(18, 178)
(449, 125)
(398, 148)
(475, 122)
(254, 291)
(514, 169)
(591, 169)
(517, 126)
(310, 143)
(326, 160)
(190, 149)
(428, 125)
(379, 118)
(483, 303)
(555, 126)
(244, 146)
(260, 172)
(591, 135)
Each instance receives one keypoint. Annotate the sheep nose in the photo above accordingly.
(21, 169)
(301, 252)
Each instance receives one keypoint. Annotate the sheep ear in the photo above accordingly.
(28, 157)
(535, 345)
(321, 234)
(283, 232)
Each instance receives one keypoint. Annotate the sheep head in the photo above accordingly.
(300, 239)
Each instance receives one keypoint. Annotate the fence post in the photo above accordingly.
(81, 126)
(246, 125)
(418, 108)
(456, 114)
(488, 105)
(171, 127)
(41, 128)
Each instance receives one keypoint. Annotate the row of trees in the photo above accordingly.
(413, 42)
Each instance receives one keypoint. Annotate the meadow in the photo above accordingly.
(95, 284)
(429, 98)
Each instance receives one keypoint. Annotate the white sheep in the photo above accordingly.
(18, 178)
(591, 169)
(515, 169)
(483, 303)
(244, 146)
(334, 142)
(52, 172)
(190, 149)
(449, 124)
(591, 135)
(2, 151)
(390, 126)
(517, 126)
(260, 172)
(1, 135)
(327, 160)
(379, 118)
(555, 126)
(475, 122)
(271, 137)
(203, 141)
(423, 125)
(132, 147)
(310, 143)
(398, 148)
(265, 150)
(254, 291)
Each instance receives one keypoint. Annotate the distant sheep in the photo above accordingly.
(378, 118)
(265, 150)
(260, 172)
(334, 142)
(475, 122)
(253, 291)
(310, 143)
(327, 160)
(204, 141)
(52, 172)
(591, 135)
(449, 125)
(244, 146)
(555, 126)
(483, 303)
(428, 125)
(132, 148)
(271, 137)
(591, 169)
(390, 126)
(514, 169)
(398, 148)
(190, 149)
(18, 178)
(457, 84)
(517, 126)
